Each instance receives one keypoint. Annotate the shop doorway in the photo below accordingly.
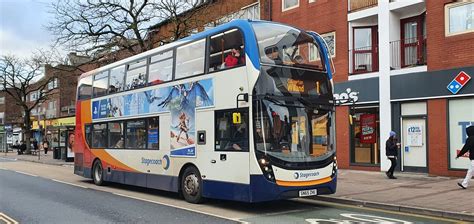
(413, 145)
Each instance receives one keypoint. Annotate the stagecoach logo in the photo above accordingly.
(301, 175)
(165, 162)
(346, 97)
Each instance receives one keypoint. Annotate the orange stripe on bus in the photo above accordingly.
(86, 112)
(303, 183)
(104, 156)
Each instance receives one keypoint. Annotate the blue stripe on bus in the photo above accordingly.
(251, 48)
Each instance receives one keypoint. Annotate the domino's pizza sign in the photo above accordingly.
(458, 82)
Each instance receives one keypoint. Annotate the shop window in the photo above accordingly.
(232, 130)
(153, 133)
(100, 83)
(459, 18)
(136, 134)
(461, 116)
(136, 75)
(99, 136)
(190, 59)
(117, 76)
(85, 88)
(226, 50)
(365, 142)
(116, 137)
(161, 68)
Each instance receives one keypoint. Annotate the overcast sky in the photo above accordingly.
(22, 25)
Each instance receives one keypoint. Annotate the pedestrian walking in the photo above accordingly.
(45, 146)
(469, 146)
(35, 145)
(391, 151)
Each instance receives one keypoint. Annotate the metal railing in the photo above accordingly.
(408, 52)
(361, 4)
(363, 60)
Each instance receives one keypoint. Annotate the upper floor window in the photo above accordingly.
(289, 4)
(2, 100)
(136, 75)
(53, 84)
(190, 59)
(85, 88)
(34, 95)
(330, 39)
(161, 68)
(459, 18)
(117, 82)
(226, 50)
(100, 83)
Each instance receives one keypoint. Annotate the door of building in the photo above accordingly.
(413, 145)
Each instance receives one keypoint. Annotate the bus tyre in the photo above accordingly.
(98, 173)
(191, 185)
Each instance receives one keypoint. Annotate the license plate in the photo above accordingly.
(306, 193)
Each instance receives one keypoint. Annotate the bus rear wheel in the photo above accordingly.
(191, 185)
(98, 173)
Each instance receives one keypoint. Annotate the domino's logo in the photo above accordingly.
(458, 82)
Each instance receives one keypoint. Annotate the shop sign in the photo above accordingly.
(461, 116)
(68, 121)
(9, 130)
(414, 135)
(367, 127)
(458, 82)
(348, 96)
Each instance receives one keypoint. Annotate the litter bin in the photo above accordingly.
(56, 153)
(63, 153)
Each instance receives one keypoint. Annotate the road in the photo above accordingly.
(38, 193)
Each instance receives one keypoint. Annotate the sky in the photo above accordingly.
(22, 26)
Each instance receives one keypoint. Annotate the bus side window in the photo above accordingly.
(116, 135)
(136, 75)
(153, 133)
(88, 128)
(161, 68)
(116, 82)
(190, 59)
(226, 50)
(99, 135)
(135, 137)
(232, 131)
(101, 81)
(85, 88)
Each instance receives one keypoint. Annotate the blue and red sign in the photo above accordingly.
(458, 82)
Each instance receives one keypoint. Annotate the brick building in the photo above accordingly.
(395, 62)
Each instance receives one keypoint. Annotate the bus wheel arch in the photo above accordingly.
(97, 172)
(190, 184)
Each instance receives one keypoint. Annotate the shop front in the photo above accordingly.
(60, 135)
(360, 99)
(432, 111)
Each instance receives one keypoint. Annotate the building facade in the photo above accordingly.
(401, 65)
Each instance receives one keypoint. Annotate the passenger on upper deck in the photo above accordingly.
(235, 58)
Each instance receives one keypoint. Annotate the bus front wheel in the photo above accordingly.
(191, 185)
(98, 173)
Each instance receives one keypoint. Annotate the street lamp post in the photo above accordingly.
(39, 128)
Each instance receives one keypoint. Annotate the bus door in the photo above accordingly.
(227, 160)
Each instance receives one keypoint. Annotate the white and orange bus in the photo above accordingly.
(243, 111)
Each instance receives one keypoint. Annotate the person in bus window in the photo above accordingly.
(239, 140)
(235, 57)
(120, 143)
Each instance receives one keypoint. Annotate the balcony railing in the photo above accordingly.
(363, 60)
(408, 53)
(361, 4)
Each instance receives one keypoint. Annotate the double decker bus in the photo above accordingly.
(243, 112)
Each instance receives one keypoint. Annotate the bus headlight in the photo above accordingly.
(263, 161)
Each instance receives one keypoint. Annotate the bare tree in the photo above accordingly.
(96, 26)
(21, 77)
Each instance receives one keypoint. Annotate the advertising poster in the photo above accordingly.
(155, 99)
(95, 109)
(116, 106)
(132, 104)
(461, 116)
(368, 128)
(104, 109)
(414, 135)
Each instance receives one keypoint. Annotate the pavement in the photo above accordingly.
(411, 193)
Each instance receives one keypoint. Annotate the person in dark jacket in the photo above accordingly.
(391, 151)
(469, 146)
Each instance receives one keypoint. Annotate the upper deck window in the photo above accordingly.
(85, 88)
(190, 59)
(136, 74)
(117, 82)
(226, 50)
(100, 83)
(283, 45)
(161, 68)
